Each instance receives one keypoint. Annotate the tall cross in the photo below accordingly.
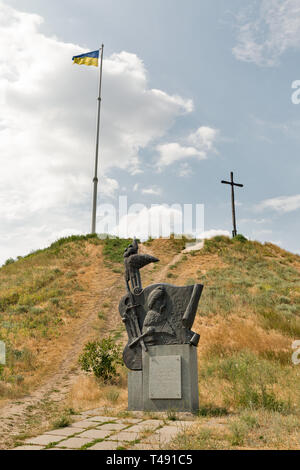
(231, 182)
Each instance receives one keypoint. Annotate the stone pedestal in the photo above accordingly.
(168, 381)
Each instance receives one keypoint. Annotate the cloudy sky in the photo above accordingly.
(191, 91)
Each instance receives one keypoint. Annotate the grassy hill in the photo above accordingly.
(54, 300)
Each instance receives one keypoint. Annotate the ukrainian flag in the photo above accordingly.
(89, 58)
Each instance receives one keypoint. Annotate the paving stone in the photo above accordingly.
(105, 445)
(44, 439)
(102, 418)
(152, 422)
(161, 436)
(93, 412)
(28, 448)
(95, 434)
(145, 425)
(74, 442)
(69, 431)
(138, 428)
(124, 436)
(83, 424)
(112, 426)
(167, 433)
(131, 420)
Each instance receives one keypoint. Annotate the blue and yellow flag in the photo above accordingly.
(89, 58)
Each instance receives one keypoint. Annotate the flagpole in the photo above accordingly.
(95, 179)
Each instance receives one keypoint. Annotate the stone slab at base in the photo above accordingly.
(135, 390)
(168, 381)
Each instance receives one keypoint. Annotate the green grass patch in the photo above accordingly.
(113, 249)
(249, 381)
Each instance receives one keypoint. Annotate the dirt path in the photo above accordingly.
(14, 416)
(161, 275)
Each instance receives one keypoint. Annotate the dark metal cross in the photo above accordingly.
(234, 232)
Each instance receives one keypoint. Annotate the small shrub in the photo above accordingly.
(240, 238)
(239, 431)
(9, 261)
(62, 422)
(101, 358)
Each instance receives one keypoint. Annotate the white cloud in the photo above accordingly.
(203, 139)
(184, 170)
(266, 29)
(153, 190)
(172, 152)
(213, 233)
(254, 221)
(108, 186)
(281, 204)
(202, 143)
(47, 128)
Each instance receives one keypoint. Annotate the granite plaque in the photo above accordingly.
(165, 377)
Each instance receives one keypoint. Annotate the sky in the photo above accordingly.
(191, 91)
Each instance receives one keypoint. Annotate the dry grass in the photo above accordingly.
(88, 393)
(250, 430)
(221, 337)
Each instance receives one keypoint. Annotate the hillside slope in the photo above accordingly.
(53, 301)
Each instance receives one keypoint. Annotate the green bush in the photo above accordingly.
(240, 238)
(9, 261)
(101, 358)
(62, 422)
